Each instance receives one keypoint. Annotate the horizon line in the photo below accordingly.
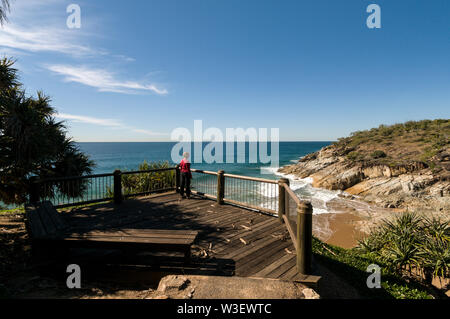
(290, 141)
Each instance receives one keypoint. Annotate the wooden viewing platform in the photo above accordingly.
(244, 226)
(231, 241)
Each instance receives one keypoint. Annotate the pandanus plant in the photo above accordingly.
(408, 242)
(4, 8)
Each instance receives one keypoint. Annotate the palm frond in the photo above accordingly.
(4, 8)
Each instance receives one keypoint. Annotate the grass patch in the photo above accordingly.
(13, 211)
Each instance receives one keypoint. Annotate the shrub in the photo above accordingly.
(408, 242)
(147, 182)
(378, 154)
(353, 156)
(351, 265)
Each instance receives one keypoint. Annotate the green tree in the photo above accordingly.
(32, 142)
(4, 7)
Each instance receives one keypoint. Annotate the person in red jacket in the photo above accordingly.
(186, 176)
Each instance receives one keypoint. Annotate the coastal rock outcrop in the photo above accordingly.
(409, 184)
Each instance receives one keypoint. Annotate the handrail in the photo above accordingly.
(302, 237)
(149, 171)
(66, 178)
(203, 172)
(255, 179)
(290, 229)
(291, 194)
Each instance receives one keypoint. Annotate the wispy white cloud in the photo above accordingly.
(43, 40)
(40, 26)
(103, 80)
(112, 123)
(90, 120)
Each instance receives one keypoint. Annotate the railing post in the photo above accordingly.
(117, 187)
(34, 190)
(177, 178)
(304, 237)
(282, 198)
(220, 186)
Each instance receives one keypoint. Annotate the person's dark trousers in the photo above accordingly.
(185, 183)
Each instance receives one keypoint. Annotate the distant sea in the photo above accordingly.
(127, 156)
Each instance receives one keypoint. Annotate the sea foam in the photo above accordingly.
(303, 188)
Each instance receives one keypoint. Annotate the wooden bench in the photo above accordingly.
(48, 228)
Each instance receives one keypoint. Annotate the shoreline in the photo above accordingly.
(346, 218)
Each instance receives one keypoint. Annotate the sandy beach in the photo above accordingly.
(348, 220)
(338, 229)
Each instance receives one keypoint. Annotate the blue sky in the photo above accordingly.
(136, 70)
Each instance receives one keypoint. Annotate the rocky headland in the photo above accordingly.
(395, 168)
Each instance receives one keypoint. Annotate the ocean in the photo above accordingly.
(127, 156)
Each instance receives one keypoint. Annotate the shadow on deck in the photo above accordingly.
(231, 240)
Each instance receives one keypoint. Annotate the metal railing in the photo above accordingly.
(70, 191)
(82, 190)
(204, 183)
(256, 193)
(139, 183)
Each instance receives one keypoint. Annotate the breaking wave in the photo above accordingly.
(305, 191)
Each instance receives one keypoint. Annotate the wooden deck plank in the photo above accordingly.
(257, 256)
(263, 229)
(48, 224)
(129, 239)
(138, 233)
(278, 273)
(272, 266)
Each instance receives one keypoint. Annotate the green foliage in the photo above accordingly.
(353, 156)
(147, 182)
(408, 242)
(437, 128)
(378, 154)
(32, 143)
(413, 141)
(428, 154)
(351, 265)
(14, 211)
